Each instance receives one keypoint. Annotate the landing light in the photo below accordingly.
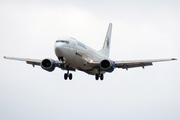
(91, 61)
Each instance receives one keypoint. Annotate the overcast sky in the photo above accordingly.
(141, 30)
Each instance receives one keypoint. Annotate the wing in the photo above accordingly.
(34, 62)
(125, 64)
(28, 60)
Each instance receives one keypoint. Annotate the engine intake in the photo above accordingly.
(48, 64)
(107, 65)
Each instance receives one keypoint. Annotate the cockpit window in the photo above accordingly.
(63, 41)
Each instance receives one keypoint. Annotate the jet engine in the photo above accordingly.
(48, 64)
(107, 65)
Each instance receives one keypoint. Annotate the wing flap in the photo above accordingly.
(33, 63)
(131, 65)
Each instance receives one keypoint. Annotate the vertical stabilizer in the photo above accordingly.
(106, 47)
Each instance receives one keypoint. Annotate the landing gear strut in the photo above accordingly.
(61, 59)
(66, 75)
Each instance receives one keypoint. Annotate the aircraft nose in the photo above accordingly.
(59, 49)
(58, 45)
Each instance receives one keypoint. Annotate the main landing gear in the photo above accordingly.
(97, 76)
(101, 76)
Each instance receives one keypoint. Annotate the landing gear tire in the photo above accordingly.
(97, 76)
(65, 76)
(70, 76)
(102, 77)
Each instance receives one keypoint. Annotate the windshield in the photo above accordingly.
(63, 41)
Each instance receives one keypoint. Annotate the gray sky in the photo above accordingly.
(141, 30)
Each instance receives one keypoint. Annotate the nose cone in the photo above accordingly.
(59, 49)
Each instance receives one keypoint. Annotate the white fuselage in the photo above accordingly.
(77, 54)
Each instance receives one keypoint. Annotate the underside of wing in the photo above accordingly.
(125, 64)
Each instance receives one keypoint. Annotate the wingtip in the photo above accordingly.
(174, 58)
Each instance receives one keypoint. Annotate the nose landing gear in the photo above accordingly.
(66, 75)
(63, 61)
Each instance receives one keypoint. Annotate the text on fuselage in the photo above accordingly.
(81, 44)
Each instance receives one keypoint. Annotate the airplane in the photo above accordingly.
(73, 55)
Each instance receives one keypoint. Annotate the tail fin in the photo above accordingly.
(106, 47)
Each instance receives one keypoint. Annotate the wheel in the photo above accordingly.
(70, 76)
(102, 77)
(65, 76)
(97, 76)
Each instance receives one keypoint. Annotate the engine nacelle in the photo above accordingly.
(48, 64)
(107, 65)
